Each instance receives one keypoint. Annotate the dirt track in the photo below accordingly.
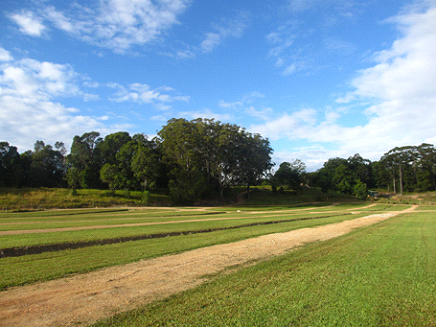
(83, 299)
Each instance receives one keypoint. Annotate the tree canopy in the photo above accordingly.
(192, 158)
(202, 157)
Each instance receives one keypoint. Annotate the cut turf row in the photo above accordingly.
(36, 249)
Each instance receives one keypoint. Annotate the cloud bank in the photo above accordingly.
(397, 95)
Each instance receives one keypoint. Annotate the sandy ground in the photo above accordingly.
(83, 299)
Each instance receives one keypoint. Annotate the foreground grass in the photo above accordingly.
(382, 275)
(45, 266)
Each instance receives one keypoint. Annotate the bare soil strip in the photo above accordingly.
(83, 299)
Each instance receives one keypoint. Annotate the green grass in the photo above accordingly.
(428, 208)
(425, 198)
(105, 219)
(260, 196)
(137, 216)
(382, 275)
(46, 198)
(30, 268)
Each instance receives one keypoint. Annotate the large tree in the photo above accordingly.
(47, 166)
(290, 174)
(85, 158)
(343, 175)
(216, 154)
(254, 158)
(180, 141)
(111, 146)
(146, 162)
(11, 171)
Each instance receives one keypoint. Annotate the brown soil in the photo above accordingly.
(83, 299)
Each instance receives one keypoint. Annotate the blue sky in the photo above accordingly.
(319, 78)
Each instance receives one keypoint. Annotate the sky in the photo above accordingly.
(319, 78)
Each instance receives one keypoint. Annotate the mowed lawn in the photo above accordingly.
(382, 275)
(207, 227)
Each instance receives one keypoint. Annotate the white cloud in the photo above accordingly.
(226, 28)
(402, 84)
(5, 55)
(282, 38)
(313, 156)
(29, 23)
(397, 95)
(406, 70)
(245, 100)
(263, 114)
(59, 20)
(112, 24)
(290, 70)
(212, 40)
(41, 80)
(186, 54)
(142, 93)
(232, 105)
(296, 125)
(346, 99)
(29, 107)
(159, 118)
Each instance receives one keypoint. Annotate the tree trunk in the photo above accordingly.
(401, 181)
(221, 193)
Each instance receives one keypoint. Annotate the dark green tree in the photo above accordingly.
(180, 141)
(110, 175)
(253, 158)
(360, 190)
(11, 170)
(290, 174)
(222, 154)
(85, 157)
(146, 163)
(111, 146)
(47, 167)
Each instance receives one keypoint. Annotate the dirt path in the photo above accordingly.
(83, 299)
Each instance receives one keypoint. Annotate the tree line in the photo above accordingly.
(190, 158)
(401, 169)
(196, 158)
(408, 168)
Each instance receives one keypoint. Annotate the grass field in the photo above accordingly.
(110, 239)
(382, 275)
